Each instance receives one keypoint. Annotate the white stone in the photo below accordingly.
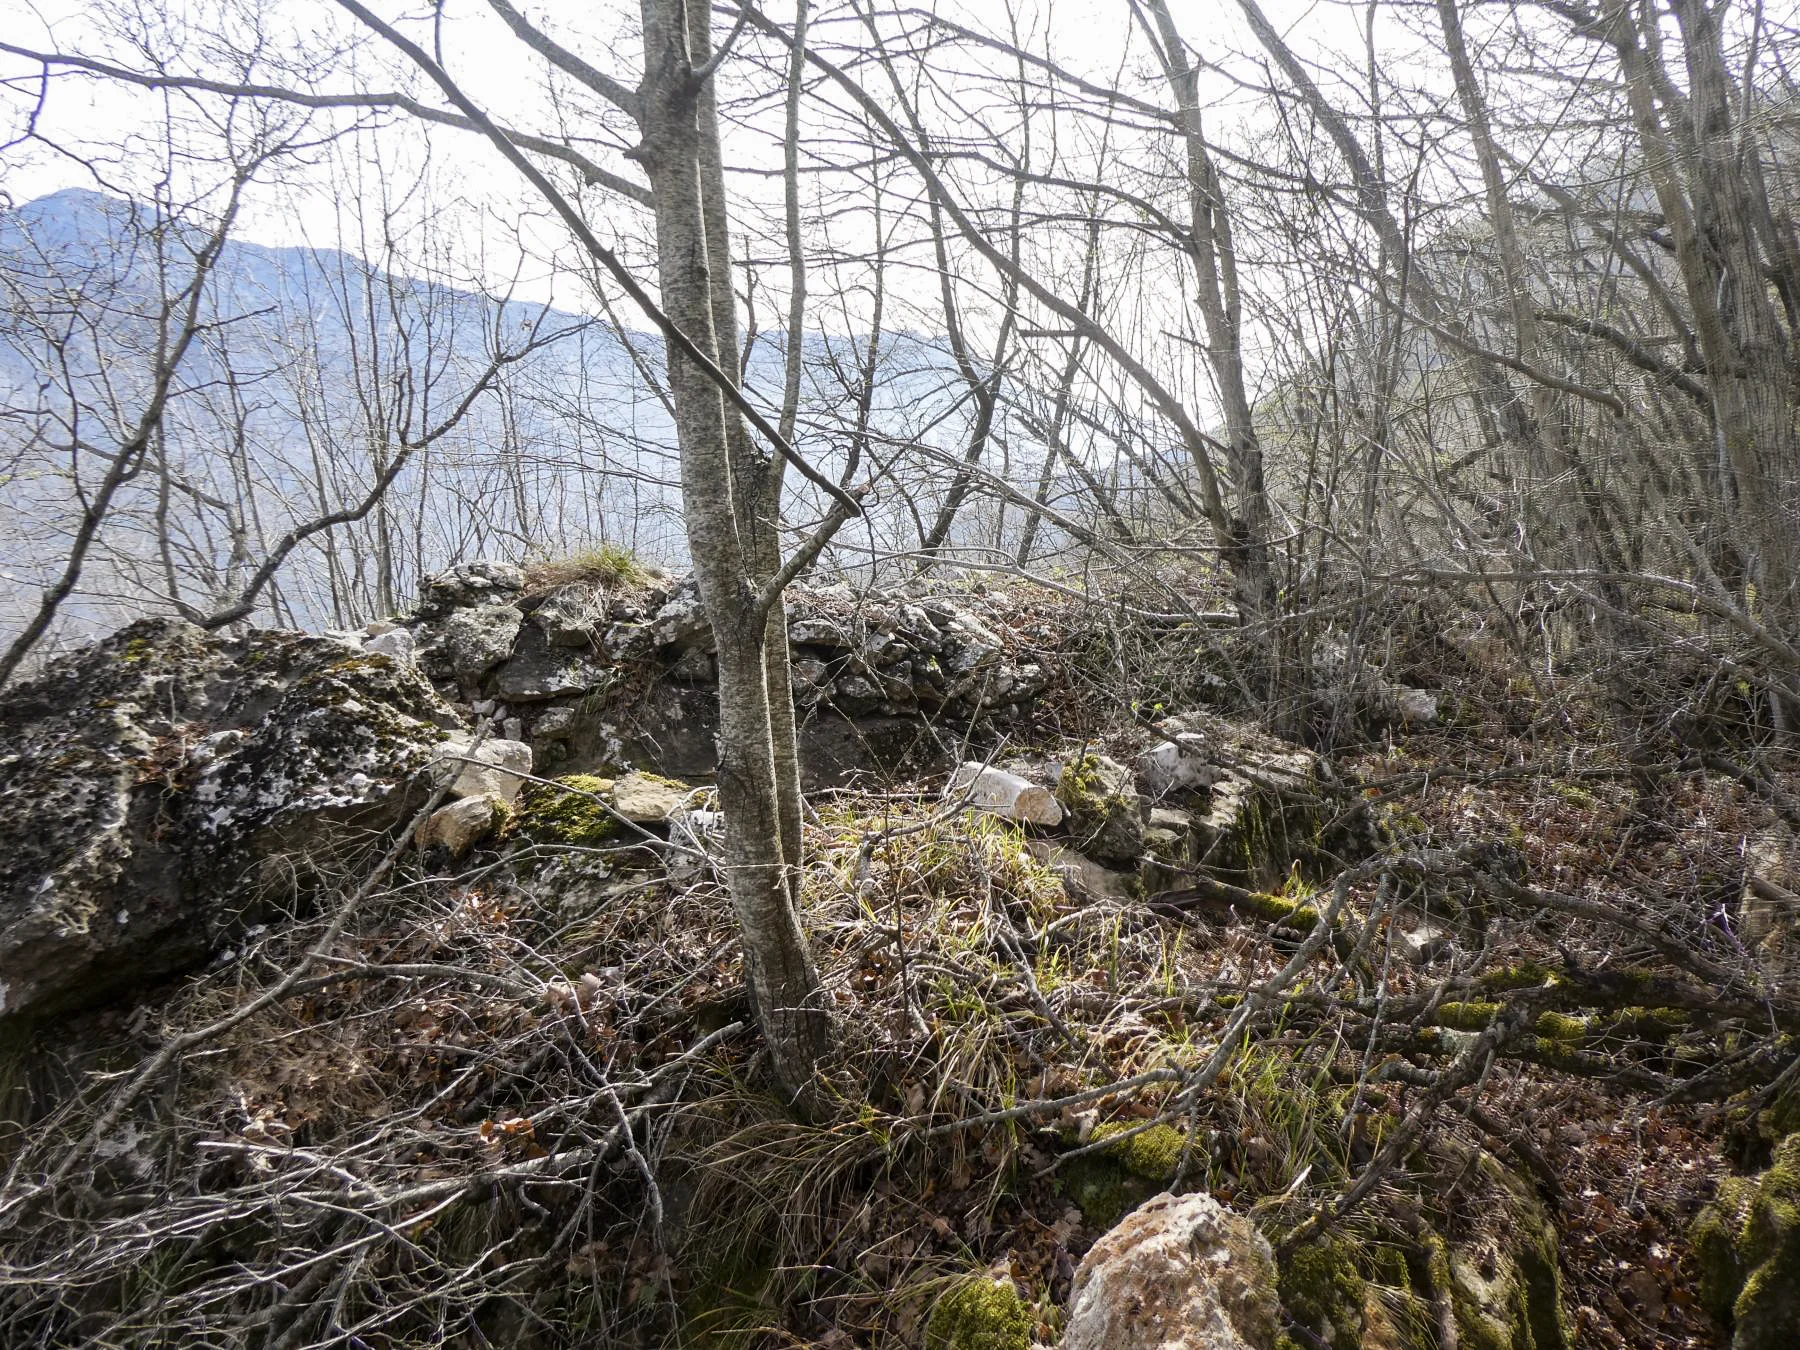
(458, 827)
(1177, 765)
(496, 774)
(1004, 794)
(1417, 707)
(1178, 1273)
(395, 642)
(646, 800)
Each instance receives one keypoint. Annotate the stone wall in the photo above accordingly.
(610, 671)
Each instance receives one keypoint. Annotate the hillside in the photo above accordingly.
(1468, 1027)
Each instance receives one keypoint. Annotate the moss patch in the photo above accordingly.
(566, 812)
(1468, 1016)
(980, 1313)
(1323, 1290)
(1557, 1026)
(1152, 1154)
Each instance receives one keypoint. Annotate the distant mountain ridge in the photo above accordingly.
(314, 371)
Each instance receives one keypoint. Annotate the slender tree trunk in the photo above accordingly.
(1214, 252)
(727, 498)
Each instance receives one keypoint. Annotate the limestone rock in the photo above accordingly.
(1177, 765)
(398, 643)
(694, 666)
(469, 584)
(891, 680)
(474, 641)
(1270, 804)
(682, 621)
(1769, 908)
(496, 774)
(1179, 1273)
(1082, 877)
(1415, 707)
(571, 615)
(645, 799)
(159, 787)
(536, 672)
(1106, 816)
(1004, 794)
(461, 825)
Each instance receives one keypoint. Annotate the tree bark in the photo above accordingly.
(729, 493)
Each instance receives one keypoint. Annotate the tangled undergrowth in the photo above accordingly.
(523, 1104)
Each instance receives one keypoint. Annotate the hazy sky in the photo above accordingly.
(93, 117)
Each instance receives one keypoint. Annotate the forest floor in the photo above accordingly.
(524, 1095)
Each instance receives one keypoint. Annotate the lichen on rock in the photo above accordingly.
(160, 783)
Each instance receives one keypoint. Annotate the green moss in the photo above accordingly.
(1101, 1188)
(1288, 913)
(550, 813)
(1153, 1154)
(1468, 1016)
(980, 1313)
(1774, 1220)
(1109, 1182)
(1557, 1026)
(1323, 1290)
(1768, 1311)
(1782, 1117)
(1714, 1239)
(1524, 975)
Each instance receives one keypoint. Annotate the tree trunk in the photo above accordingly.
(728, 500)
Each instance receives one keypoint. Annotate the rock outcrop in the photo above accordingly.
(1259, 803)
(614, 670)
(1179, 1273)
(165, 788)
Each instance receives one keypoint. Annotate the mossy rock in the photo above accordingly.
(1505, 1283)
(566, 812)
(1102, 809)
(1714, 1239)
(1110, 1182)
(1747, 1245)
(1323, 1290)
(980, 1312)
